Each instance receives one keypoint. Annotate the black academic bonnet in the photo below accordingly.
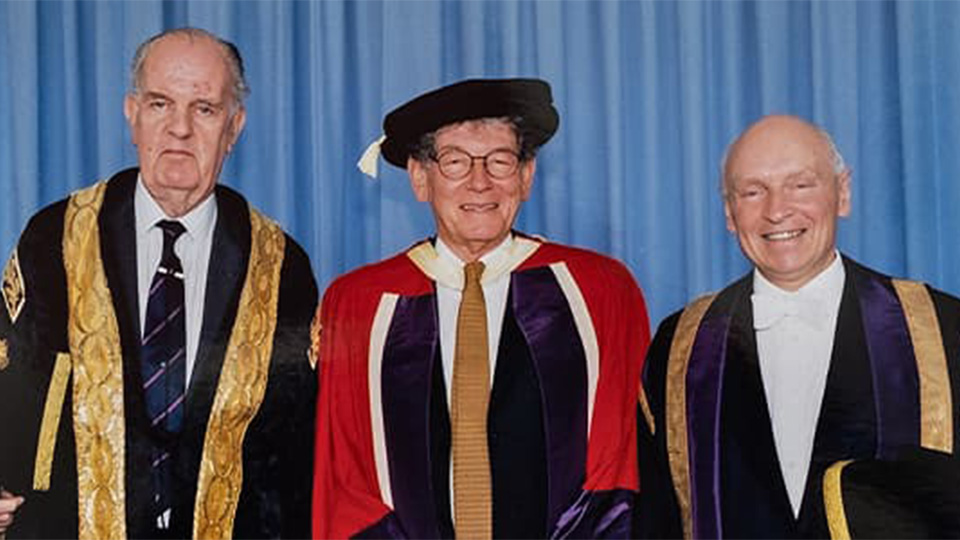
(916, 495)
(529, 100)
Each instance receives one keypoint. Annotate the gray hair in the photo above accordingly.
(231, 54)
(839, 165)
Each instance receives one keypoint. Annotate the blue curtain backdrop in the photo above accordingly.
(649, 93)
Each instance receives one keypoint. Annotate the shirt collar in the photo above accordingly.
(491, 258)
(826, 285)
(447, 270)
(147, 213)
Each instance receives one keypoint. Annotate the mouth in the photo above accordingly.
(478, 207)
(783, 236)
(177, 153)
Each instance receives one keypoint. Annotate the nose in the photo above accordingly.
(778, 207)
(478, 179)
(181, 123)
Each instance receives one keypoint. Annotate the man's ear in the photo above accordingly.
(131, 107)
(236, 125)
(527, 170)
(843, 193)
(419, 182)
(728, 214)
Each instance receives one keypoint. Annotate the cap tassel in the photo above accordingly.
(369, 160)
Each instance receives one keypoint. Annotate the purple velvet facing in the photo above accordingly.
(597, 514)
(388, 527)
(894, 368)
(544, 317)
(406, 389)
(704, 394)
(895, 383)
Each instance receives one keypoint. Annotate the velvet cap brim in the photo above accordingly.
(530, 100)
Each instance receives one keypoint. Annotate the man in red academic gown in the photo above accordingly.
(478, 400)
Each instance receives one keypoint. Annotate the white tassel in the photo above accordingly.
(369, 160)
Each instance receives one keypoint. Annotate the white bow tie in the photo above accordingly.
(768, 310)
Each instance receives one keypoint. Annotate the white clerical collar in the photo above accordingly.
(147, 213)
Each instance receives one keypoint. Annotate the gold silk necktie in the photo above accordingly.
(468, 416)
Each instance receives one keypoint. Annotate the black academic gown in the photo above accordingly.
(277, 448)
(752, 497)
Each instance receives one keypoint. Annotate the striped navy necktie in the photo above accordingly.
(163, 349)
(163, 366)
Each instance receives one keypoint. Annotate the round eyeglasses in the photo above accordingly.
(456, 164)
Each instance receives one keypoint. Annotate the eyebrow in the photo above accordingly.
(153, 94)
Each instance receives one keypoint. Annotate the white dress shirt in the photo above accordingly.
(448, 303)
(193, 248)
(795, 333)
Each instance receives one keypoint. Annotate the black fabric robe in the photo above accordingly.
(753, 501)
(277, 449)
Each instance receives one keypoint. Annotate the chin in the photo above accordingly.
(488, 236)
(179, 181)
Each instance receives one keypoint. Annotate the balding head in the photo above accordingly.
(785, 185)
(777, 130)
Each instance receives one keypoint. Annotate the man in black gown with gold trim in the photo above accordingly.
(81, 449)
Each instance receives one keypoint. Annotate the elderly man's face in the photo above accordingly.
(473, 214)
(784, 198)
(184, 120)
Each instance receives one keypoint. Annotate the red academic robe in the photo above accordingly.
(575, 318)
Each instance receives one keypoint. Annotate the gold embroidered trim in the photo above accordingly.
(97, 370)
(833, 501)
(4, 355)
(316, 332)
(676, 405)
(936, 409)
(645, 409)
(14, 289)
(243, 381)
(51, 422)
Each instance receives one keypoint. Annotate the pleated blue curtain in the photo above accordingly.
(650, 94)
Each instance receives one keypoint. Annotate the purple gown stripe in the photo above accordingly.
(544, 317)
(597, 514)
(896, 385)
(407, 367)
(388, 527)
(704, 393)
